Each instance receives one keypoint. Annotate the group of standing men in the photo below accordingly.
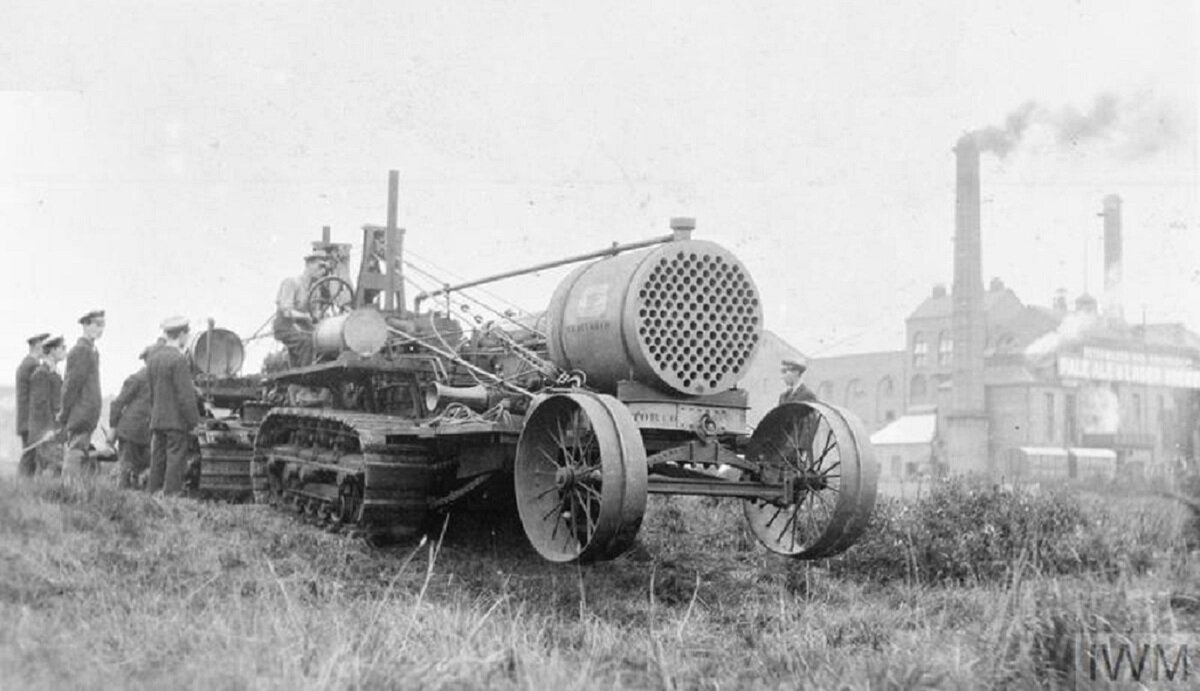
(151, 419)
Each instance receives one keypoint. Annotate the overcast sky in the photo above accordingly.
(161, 158)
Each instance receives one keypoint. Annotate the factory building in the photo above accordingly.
(988, 384)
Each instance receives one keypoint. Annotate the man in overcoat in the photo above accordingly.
(174, 411)
(796, 391)
(81, 394)
(45, 395)
(129, 420)
(24, 371)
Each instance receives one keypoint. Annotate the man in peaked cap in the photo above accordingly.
(24, 371)
(81, 394)
(173, 408)
(293, 324)
(45, 396)
(129, 420)
(796, 391)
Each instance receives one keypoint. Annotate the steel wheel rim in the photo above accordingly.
(576, 478)
(812, 444)
(864, 504)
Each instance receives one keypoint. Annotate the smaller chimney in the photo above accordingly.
(996, 285)
(1112, 257)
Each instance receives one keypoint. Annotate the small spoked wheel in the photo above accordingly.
(822, 461)
(580, 477)
(328, 297)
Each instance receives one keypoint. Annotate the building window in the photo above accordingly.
(945, 348)
(916, 388)
(1051, 423)
(897, 466)
(883, 396)
(854, 390)
(886, 387)
(1137, 412)
(920, 350)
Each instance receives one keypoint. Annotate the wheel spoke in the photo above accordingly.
(813, 449)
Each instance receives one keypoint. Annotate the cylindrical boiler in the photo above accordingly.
(216, 352)
(363, 331)
(683, 317)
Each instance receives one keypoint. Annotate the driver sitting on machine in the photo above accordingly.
(293, 325)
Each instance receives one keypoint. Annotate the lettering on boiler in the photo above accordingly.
(588, 326)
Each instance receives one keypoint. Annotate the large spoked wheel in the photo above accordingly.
(822, 457)
(580, 477)
(328, 297)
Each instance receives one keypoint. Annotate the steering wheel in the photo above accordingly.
(328, 297)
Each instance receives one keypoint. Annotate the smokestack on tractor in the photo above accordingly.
(1112, 258)
(966, 421)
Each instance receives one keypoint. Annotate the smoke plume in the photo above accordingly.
(1131, 128)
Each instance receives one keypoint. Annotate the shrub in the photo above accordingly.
(967, 531)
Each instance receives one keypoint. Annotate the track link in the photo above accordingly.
(370, 475)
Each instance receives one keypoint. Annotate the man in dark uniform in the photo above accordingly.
(81, 394)
(129, 420)
(45, 395)
(796, 392)
(174, 411)
(24, 371)
(293, 325)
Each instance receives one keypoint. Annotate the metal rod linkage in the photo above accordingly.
(607, 252)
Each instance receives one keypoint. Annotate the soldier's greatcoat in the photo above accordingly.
(129, 415)
(173, 404)
(24, 372)
(45, 391)
(81, 388)
(797, 394)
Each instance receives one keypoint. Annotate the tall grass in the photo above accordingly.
(107, 589)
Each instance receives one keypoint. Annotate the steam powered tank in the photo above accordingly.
(625, 387)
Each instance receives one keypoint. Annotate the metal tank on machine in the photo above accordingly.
(626, 386)
(683, 317)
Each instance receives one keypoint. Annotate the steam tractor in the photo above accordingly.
(626, 386)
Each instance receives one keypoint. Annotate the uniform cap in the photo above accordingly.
(51, 343)
(794, 366)
(315, 257)
(91, 316)
(174, 323)
(34, 340)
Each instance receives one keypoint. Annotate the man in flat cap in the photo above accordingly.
(129, 420)
(81, 394)
(24, 371)
(174, 411)
(293, 325)
(45, 396)
(796, 391)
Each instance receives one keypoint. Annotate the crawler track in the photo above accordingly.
(369, 474)
(226, 461)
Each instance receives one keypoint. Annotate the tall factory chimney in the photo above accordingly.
(1113, 309)
(966, 420)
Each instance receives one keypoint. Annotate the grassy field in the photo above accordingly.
(107, 589)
